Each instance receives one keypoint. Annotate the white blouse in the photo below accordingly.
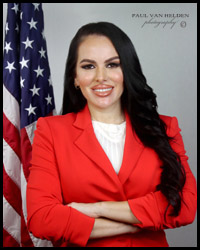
(112, 138)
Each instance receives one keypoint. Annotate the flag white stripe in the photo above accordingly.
(11, 221)
(30, 131)
(11, 108)
(11, 163)
(36, 241)
(23, 193)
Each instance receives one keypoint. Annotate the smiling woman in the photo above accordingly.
(110, 171)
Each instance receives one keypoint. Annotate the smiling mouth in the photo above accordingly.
(102, 91)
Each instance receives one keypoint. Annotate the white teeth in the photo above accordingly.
(102, 90)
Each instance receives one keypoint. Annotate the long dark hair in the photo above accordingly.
(138, 99)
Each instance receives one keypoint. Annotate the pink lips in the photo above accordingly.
(102, 90)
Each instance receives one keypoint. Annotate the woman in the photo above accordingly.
(110, 171)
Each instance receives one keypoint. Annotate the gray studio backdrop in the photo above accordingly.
(165, 38)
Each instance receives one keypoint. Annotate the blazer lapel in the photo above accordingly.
(89, 145)
(133, 149)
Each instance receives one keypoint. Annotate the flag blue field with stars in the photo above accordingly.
(26, 67)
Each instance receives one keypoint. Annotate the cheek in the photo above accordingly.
(117, 77)
(84, 79)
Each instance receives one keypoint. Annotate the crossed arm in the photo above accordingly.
(111, 218)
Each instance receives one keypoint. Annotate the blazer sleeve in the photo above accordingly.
(150, 209)
(48, 218)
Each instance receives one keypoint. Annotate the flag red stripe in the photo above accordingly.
(8, 240)
(25, 237)
(11, 192)
(26, 152)
(11, 135)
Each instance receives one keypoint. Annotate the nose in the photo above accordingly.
(101, 74)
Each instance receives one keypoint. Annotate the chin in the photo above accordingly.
(105, 105)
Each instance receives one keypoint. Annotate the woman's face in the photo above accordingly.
(98, 72)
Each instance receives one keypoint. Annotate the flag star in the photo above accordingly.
(35, 90)
(31, 110)
(6, 28)
(15, 8)
(22, 82)
(48, 98)
(36, 5)
(7, 47)
(39, 71)
(42, 52)
(10, 66)
(24, 63)
(32, 24)
(17, 28)
(50, 81)
(43, 34)
(28, 43)
(21, 13)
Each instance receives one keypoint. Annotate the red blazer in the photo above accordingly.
(69, 165)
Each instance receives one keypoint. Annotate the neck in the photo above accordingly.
(111, 115)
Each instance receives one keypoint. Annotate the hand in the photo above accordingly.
(89, 209)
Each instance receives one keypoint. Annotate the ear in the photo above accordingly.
(76, 84)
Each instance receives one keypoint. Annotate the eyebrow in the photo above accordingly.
(92, 61)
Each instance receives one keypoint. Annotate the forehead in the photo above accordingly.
(96, 46)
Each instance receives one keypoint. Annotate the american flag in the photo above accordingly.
(27, 95)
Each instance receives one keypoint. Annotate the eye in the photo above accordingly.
(88, 66)
(113, 65)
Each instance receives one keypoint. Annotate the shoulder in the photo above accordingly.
(166, 119)
(57, 122)
(171, 124)
(55, 128)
